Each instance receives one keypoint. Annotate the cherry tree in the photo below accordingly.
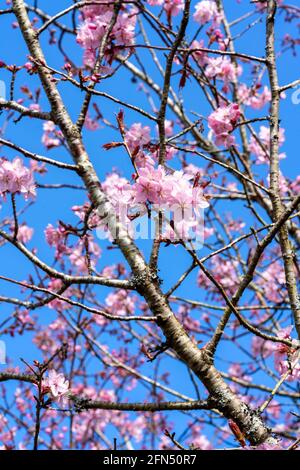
(149, 233)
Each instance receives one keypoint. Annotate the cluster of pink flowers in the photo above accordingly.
(118, 190)
(57, 385)
(136, 138)
(262, 152)
(24, 233)
(200, 57)
(172, 193)
(57, 304)
(156, 186)
(295, 185)
(171, 7)
(56, 237)
(224, 69)
(51, 137)
(90, 123)
(286, 359)
(96, 18)
(251, 96)
(224, 271)
(222, 122)
(121, 303)
(272, 280)
(207, 11)
(15, 178)
(78, 256)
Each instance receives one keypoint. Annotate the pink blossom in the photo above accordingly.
(92, 30)
(222, 123)
(37, 167)
(272, 280)
(137, 136)
(78, 257)
(90, 123)
(201, 443)
(149, 185)
(25, 233)
(158, 187)
(200, 57)
(206, 11)
(261, 348)
(173, 7)
(223, 69)
(28, 66)
(121, 302)
(169, 126)
(286, 359)
(295, 185)
(57, 385)
(224, 271)
(155, 2)
(262, 152)
(56, 237)
(251, 97)
(118, 189)
(34, 107)
(292, 367)
(16, 178)
(57, 304)
(51, 137)
(283, 183)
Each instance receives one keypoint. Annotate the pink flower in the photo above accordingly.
(90, 123)
(286, 359)
(57, 385)
(201, 443)
(25, 233)
(223, 69)
(272, 280)
(206, 11)
(137, 136)
(251, 97)
(121, 303)
(169, 127)
(56, 237)
(200, 57)
(155, 2)
(295, 185)
(150, 185)
(173, 7)
(224, 271)
(222, 123)
(78, 256)
(51, 137)
(92, 30)
(16, 178)
(35, 107)
(262, 152)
